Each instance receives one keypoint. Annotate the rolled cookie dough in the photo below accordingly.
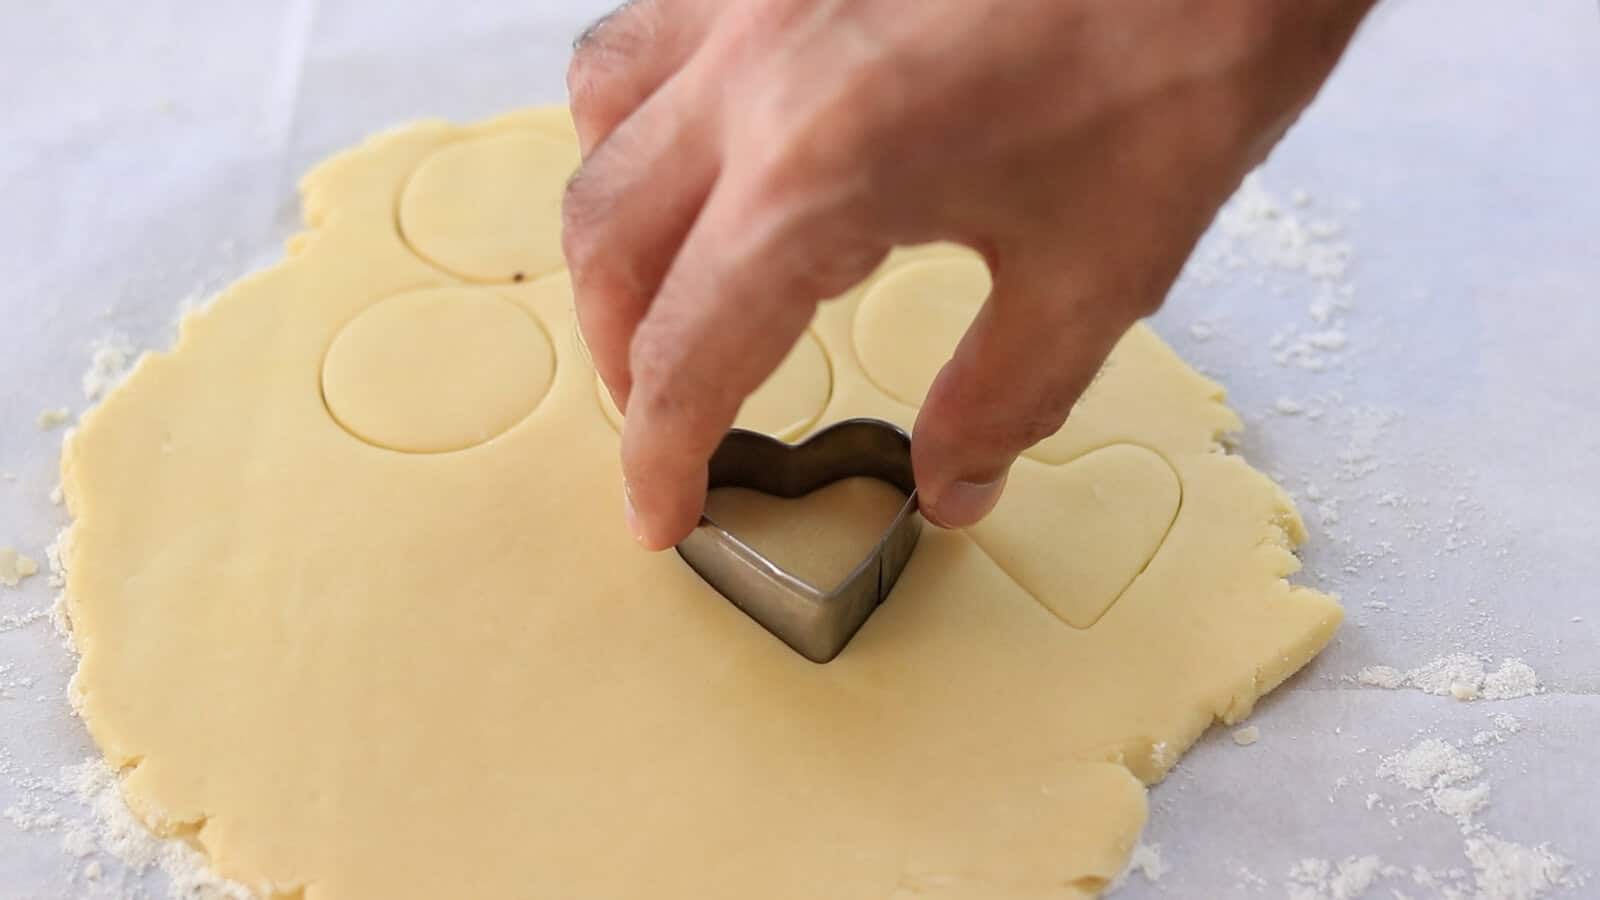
(383, 636)
(820, 537)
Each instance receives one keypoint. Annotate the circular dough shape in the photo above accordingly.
(910, 321)
(786, 405)
(489, 210)
(437, 370)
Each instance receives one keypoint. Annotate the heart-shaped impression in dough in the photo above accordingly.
(816, 622)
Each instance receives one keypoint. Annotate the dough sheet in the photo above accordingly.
(359, 618)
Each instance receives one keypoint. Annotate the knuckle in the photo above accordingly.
(601, 54)
(659, 369)
(1031, 428)
(995, 431)
(1012, 435)
(586, 77)
(577, 240)
(803, 130)
(685, 408)
(583, 216)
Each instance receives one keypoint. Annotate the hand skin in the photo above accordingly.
(744, 160)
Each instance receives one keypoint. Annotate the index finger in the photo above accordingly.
(735, 301)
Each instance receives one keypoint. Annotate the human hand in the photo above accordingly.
(745, 160)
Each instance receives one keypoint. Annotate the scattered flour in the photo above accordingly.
(13, 621)
(109, 360)
(1247, 735)
(1429, 765)
(1161, 756)
(1499, 869)
(1462, 804)
(1502, 870)
(1258, 238)
(1458, 675)
(1366, 429)
(1146, 861)
(115, 831)
(1262, 228)
(50, 418)
(1505, 725)
(14, 567)
(1319, 879)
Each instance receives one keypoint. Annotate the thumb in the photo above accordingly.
(1022, 364)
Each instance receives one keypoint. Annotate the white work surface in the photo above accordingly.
(1445, 455)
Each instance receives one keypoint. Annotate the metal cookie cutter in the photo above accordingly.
(816, 623)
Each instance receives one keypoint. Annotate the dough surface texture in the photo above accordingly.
(363, 632)
(820, 537)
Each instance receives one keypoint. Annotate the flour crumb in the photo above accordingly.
(1332, 339)
(1430, 764)
(53, 558)
(1506, 722)
(1502, 870)
(78, 841)
(1505, 725)
(1247, 735)
(1259, 224)
(109, 359)
(1161, 756)
(1457, 675)
(1146, 860)
(50, 418)
(115, 831)
(1286, 407)
(1366, 429)
(1462, 804)
(1353, 877)
(14, 567)
(1385, 677)
(1202, 331)
(1514, 678)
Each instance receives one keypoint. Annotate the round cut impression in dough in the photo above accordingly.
(911, 320)
(489, 209)
(437, 370)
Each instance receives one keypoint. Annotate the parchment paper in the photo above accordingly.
(1446, 455)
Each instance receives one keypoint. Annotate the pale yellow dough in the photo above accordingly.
(344, 670)
(820, 537)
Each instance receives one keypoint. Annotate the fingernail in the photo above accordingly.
(963, 503)
(631, 514)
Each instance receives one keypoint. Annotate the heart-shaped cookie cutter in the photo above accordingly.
(816, 623)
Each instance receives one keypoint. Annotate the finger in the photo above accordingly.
(621, 60)
(626, 213)
(1032, 350)
(734, 303)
